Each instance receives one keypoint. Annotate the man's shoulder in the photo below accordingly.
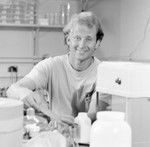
(60, 57)
(59, 60)
(51, 63)
(55, 59)
(97, 61)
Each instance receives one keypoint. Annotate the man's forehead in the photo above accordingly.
(83, 29)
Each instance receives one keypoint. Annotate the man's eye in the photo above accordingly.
(77, 38)
(88, 39)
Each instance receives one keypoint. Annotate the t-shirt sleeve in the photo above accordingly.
(41, 73)
(96, 103)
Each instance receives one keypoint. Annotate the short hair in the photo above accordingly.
(88, 19)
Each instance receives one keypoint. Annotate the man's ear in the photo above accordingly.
(98, 43)
(68, 40)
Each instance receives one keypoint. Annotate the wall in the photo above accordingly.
(134, 19)
(109, 13)
(124, 23)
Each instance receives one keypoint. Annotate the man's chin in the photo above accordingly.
(80, 56)
(81, 59)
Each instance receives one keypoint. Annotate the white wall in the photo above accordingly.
(134, 17)
(109, 13)
(124, 23)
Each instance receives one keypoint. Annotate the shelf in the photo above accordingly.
(4, 60)
(31, 26)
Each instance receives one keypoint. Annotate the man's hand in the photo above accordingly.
(36, 100)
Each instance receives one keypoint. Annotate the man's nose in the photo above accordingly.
(82, 43)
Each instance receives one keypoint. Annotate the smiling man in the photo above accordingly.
(71, 77)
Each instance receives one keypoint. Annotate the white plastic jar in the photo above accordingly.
(110, 130)
(11, 122)
(84, 123)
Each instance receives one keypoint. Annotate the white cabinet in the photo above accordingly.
(137, 113)
(129, 83)
(139, 118)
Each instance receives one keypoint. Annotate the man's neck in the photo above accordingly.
(80, 65)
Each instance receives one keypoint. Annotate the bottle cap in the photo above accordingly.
(82, 114)
(110, 116)
(30, 112)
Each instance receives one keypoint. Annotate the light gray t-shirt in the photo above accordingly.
(67, 88)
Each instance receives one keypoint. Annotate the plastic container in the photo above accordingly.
(110, 130)
(31, 122)
(34, 123)
(11, 122)
(31, 116)
(84, 127)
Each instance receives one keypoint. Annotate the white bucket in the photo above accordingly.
(11, 122)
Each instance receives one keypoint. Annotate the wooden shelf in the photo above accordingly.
(31, 26)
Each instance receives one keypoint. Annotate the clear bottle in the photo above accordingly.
(84, 127)
(62, 15)
(56, 18)
(31, 116)
(30, 126)
(110, 130)
(68, 12)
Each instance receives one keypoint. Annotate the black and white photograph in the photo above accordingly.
(74, 73)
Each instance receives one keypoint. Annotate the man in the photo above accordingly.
(70, 78)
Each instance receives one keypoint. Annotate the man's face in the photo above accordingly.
(82, 42)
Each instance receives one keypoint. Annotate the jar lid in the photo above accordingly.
(110, 116)
(30, 111)
(82, 114)
(8, 102)
(10, 108)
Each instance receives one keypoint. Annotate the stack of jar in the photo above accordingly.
(17, 12)
(56, 18)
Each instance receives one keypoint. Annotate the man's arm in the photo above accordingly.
(99, 103)
(23, 90)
